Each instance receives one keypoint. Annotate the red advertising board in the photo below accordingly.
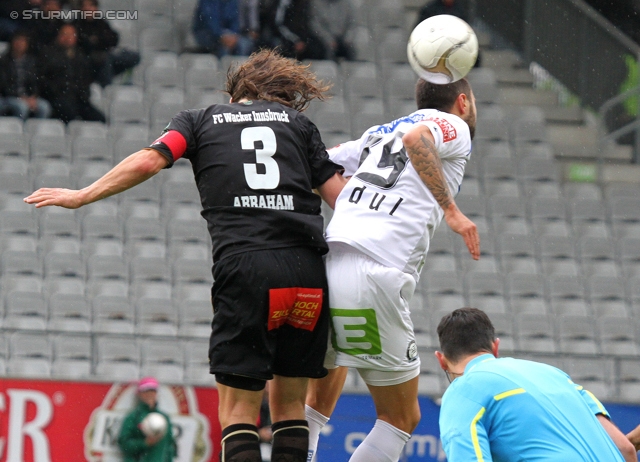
(52, 421)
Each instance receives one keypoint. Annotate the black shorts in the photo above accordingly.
(271, 314)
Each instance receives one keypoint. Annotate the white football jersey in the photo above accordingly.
(385, 210)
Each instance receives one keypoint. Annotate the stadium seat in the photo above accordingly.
(142, 222)
(63, 258)
(628, 255)
(629, 380)
(488, 148)
(430, 381)
(58, 222)
(492, 130)
(503, 325)
(594, 374)
(16, 217)
(32, 368)
(20, 256)
(106, 260)
(588, 218)
(101, 220)
(577, 334)
(52, 174)
(618, 335)
(155, 313)
(14, 176)
(535, 333)
(521, 288)
(197, 362)
(24, 302)
(29, 355)
(582, 191)
(391, 49)
(113, 314)
(162, 359)
(437, 283)
(90, 171)
(231, 60)
(69, 310)
(538, 150)
(517, 254)
(72, 347)
(180, 188)
(14, 145)
(127, 104)
(360, 79)
(47, 139)
(157, 39)
(597, 256)
(148, 262)
(195, 310)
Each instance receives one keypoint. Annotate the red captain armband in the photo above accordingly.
(174, 141)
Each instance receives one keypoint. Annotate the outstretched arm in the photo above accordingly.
(422, 152)
(634, 437)
(133, 170)
(619, 439)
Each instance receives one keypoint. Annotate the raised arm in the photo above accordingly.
(422, 152)
(330, 189)
(133, 170)
(634, 437)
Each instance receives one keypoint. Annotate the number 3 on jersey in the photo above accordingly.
(264, 156)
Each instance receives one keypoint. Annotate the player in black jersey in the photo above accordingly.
(256, 161)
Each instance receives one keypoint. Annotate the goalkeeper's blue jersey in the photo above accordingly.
(514, 410)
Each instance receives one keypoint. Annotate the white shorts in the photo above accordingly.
(371, 329)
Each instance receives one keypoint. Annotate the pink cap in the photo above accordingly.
(147, 383)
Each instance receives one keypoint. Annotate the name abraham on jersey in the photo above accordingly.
(272, 201)
(263, 116)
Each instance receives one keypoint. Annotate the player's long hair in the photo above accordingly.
(441, 97)
(267, 75)
(464, 332)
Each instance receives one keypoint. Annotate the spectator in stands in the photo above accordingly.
(216, 28)
(503, 409)
(250, 21)
(134, 444)
(45, 29)
(292, 23)
(19, 81)
(98, 41)
(10, 25)
(66, 75)
(335, 23)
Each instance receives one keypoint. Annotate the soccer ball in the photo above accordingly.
(154, 424)
(442, 49)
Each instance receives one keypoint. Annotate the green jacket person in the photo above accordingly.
(135, 445)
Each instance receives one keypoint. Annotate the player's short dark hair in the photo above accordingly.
(441, 97)
(267, 75)
(465, 331)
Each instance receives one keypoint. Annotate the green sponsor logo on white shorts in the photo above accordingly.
(355, 332)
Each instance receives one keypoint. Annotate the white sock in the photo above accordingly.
(384, 443)
(316, 423)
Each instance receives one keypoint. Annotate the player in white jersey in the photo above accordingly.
(404, 175)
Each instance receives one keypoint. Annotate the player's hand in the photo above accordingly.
(67, 198)
(634, 437)
(459, 223)
(152, 440)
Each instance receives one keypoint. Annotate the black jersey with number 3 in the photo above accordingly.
(255, 165)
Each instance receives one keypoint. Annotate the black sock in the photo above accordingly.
(241, 443)
(290, 441)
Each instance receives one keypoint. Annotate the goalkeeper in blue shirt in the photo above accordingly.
(509, 409)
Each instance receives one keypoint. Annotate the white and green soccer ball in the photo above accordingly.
(442, 49)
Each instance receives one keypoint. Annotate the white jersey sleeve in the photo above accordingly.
(385, 210)
(348, 155)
